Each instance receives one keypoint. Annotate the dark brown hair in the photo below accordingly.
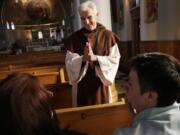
(158, 72)
(25, 107)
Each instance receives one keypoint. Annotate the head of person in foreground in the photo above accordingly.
(153, 81)
(25, 107)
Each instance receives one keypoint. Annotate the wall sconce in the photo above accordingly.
(63, 22)
(7, 25)
(12, 26)
(62, 33)
(40, 35)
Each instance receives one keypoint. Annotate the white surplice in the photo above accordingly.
(106, 71)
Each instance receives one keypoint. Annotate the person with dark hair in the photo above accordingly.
(92, 59)
(25, 107)
(152, 90)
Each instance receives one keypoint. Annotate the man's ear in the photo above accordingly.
(152, 97)
(97, 14)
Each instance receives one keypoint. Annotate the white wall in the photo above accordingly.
(104, 12)
(168, 20)
(167, 27)
(148, 31)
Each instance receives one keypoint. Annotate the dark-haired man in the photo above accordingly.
(152, 90)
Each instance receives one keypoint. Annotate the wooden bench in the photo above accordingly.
(33, 59)
(49, 68)
(55, 79)
(95, 120)
(53, 74)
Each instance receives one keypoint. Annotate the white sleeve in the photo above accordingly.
(73, 63)
(108, 66)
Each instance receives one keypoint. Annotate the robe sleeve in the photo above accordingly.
(75, 72)
(108, 66)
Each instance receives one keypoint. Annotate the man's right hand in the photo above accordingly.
(88, 53)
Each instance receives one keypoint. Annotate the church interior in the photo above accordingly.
(32, 35)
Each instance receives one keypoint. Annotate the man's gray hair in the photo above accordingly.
(88, 5)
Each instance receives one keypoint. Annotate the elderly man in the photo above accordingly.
(92, 59)
(152, 90)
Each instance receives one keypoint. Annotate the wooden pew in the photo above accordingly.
(53, 74)
(33, 59)
(95, 120)
(49, 68)
(55, 79)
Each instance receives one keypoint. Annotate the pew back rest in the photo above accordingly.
(96, 119)
(36, 58)
(53, 74)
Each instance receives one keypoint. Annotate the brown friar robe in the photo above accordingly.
(92, 81)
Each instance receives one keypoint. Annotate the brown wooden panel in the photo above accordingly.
(125, 49)
(48, 67)
(95, 120)
(62, 95)
(169, 47)
(36, 59)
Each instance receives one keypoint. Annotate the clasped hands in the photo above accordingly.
(88, 53)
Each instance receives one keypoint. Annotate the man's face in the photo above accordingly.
(135, 99)
(89, 19)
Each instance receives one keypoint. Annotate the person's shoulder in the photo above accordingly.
(75, 34)
(110, 34)
(73, 38)
(142, 128)
(123, 131)
(101, 27)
